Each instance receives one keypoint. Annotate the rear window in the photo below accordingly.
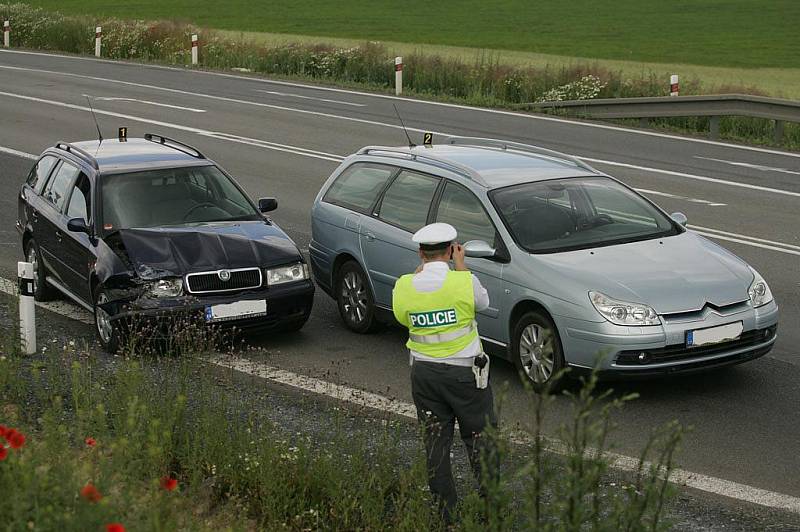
(358, 187)
(38, 176)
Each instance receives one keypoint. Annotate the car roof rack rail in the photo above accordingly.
(69, 148)
(175, 144)
(518, 146)
(405, 153)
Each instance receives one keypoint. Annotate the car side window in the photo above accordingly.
(408, 199)
(38, 176)
(358, 187)
(460, 208)
(57, 188)
(79, 199)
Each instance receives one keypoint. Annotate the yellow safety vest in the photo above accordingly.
(440, 323)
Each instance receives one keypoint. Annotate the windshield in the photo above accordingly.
(578, 213)
(172, 196)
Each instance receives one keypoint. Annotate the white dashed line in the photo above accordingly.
(147, 102)
(289, 94)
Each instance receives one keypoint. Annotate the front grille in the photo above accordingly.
(210, 282)
(675, 353)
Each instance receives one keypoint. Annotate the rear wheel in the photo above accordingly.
(108, 333)
(537, 351)
(355, 299)
(41, 290)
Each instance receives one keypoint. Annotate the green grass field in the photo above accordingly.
(721, 33)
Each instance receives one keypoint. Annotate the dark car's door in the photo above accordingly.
(51, 224)
(77, 247)
(30, 194)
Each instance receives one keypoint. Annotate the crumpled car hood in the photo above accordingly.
(160, 252)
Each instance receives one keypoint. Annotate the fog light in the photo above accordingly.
(767, 334)
(643, 358)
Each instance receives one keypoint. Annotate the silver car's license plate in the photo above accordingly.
(714, 335)
(237, 310)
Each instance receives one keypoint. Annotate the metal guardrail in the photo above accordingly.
(714, 106)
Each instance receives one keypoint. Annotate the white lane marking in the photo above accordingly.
(424, 102)
(761, 167)
(276, 93)
(17, 153)
(203, 132)
(749, 241)
(396, 126)
(726, 233)
(675, 196)
(148, 102)
(709, 484)
(63, 308)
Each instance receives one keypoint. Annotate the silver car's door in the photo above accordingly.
(386, 238)
(460, 208)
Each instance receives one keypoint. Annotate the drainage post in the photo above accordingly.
(7, 33)
(194, 49)
(98, 38)
(27, 308)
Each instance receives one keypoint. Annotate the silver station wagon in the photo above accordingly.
(581, 269)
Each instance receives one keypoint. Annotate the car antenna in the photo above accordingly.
(96, 124)
(410, 144)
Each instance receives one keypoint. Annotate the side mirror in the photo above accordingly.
(679, 217)
(267, 204)
(478, 249)
(78, 225)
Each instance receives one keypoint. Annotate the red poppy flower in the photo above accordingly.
(169, 483)
(115, 527)
(3, 452)
(15, 438)
(91, 442)
(90, 493)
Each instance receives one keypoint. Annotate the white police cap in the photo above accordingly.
(438, 233)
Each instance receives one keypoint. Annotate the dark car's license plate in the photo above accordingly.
(236, 310)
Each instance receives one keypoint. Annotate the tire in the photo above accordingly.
(537, 352)
(41, 290)
(107, 333)
(354, 299)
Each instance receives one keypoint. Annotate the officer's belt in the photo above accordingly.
(442, 337)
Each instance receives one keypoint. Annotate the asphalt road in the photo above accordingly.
(284, 140)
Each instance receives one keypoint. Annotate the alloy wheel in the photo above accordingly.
(103, 320)
(354, 297)
(536, 352)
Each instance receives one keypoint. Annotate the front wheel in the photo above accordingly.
(107, 332)
(537, 351)
(354, 298)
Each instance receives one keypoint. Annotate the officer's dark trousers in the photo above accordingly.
(443, 393)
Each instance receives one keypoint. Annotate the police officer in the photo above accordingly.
(449, 372)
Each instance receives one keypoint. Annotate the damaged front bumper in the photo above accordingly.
(286, 305)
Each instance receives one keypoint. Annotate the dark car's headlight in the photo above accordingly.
(165, 288)
(287, 274)
(622, 312)
(759, 291)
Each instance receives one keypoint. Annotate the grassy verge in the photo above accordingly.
(150, 443)
(485, 81)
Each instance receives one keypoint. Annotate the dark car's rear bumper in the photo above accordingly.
(286, 306)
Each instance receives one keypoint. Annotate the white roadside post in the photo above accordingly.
(398, 75)
(194, 49)
(7, 33)
(98, 37)
(673, 85)
(27, 308)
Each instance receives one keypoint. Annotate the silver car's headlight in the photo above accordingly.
(759, 291)
(287, 274)
(165, 288)
(622, 312)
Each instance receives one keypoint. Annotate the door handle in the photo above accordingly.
(369, 236)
